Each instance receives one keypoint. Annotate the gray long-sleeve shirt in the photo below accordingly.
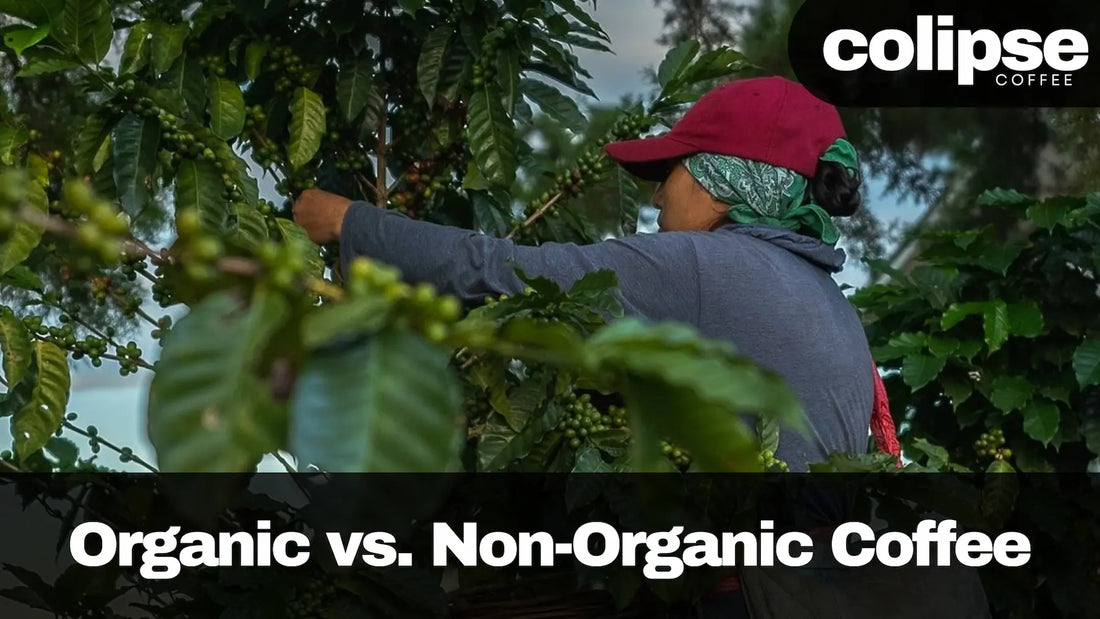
(766, 290)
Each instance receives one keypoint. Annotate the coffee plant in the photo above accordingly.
(148, 201)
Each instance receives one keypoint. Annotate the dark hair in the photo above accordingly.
(836, 189)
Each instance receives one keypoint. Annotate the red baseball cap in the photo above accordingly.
(767, 119)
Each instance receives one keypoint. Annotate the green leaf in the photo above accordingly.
(958, 390)
(207, 408)
(1011, 392)
(1004, 197)
(996, 324)
(86, 28)
(490, 216)
(958, 311)
(1086, 362)
(900, 345)
(199, 185)
(491, 135)
(430, 65)
(1025, 319)
(249, 187)
(937, 456)
(135, 53)
(36, 12)
(307, 125)
(1052, 212)
(34, 424)
(942, 346)
(675, 356)
(388, 405)
(249, 229)
(134, 145)
(11, 140)
(589, 460)
(411, 6)
(20, 276)
(578, 13)
(24, 236)
(254, 58)
(500, 444)
(225, 104)
(42, 63)
(185, 82)
(65, 451)
(554, 104)
(22, 38)
(167, 44)
(16, 346)
(508, 72)
(353, 89)
(296, 235)
(917, 370)
(676, 61)
(1041, 420)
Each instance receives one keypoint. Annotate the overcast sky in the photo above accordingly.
(116, 405)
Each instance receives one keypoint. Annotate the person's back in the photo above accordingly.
(775, 300)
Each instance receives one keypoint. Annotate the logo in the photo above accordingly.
(940, 53)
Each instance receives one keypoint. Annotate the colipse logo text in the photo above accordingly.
(940, 53)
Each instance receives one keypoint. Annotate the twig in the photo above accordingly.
(98, 439)
(383, 190)
(11, 467)
(282, 461)
(536, 215)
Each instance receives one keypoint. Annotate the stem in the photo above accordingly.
(383, 192)
(282, 461)
(108, 444)
(536, 215)
(11, 467)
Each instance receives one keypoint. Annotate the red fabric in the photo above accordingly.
(882, 422)
(769, 119)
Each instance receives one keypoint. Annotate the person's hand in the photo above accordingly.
(322, 214)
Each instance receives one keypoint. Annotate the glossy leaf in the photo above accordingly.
(1025, 319)
(917, 370)
(390, 404)
(185, 82)
(207, 408)
(85, 27)
(957, 312)
(501, 445)
(353, 89)
(1011, 392)
(554, 104)
(199, 185)
(996, 325)
(307, 126)
(225, 104)
(492, 136)
(430, 64)
(254, 58)
(18, 244)
(134, 144)
(34, 424)
(1086, 363)
(135, 53)
(16, 346)
(167, 44)
(1041, 420)
(676, 61)
(11, 140)
(20, 276)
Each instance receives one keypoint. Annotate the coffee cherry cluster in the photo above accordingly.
(991, 445)
(92, 347)
(129, 357)
(582, 419)
(103, 228)
(197, 250)
(285, 264)
(284, 62)
(418, 306)
(770, 463)
(254, 116)
(679, 458)
(213, 65)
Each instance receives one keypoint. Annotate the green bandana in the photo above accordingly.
(761, 193)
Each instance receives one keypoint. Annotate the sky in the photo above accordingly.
(116, 405)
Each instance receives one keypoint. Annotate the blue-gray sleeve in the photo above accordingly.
(658, 273)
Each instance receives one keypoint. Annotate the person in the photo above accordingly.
(750, 180)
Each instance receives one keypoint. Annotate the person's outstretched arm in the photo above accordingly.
(657, 274)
